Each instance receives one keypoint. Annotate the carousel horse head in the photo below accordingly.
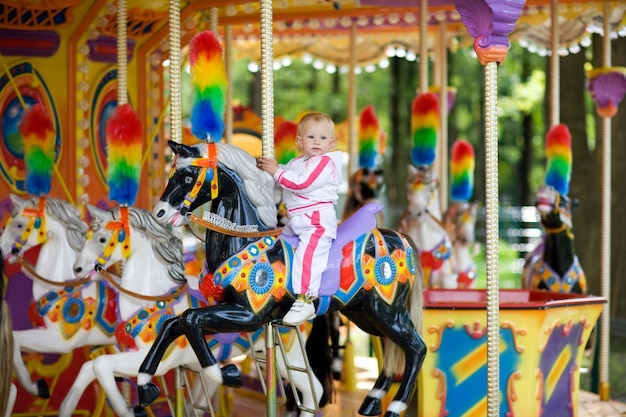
(40, 220)
(197, 177)
(121, 232)
(422, 190)
(554, 209)
(365, 185)
(460, 221)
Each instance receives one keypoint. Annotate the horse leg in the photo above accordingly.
(106, 367)
(372, 404)
(37, 341)
(227, 318)
(335, 321)
(11, 400)
(400, 331)
(147, 390)
(301, 380)
(70, 402)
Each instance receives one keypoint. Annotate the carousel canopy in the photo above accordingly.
(317, 28)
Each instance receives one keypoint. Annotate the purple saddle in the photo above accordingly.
(361, 221)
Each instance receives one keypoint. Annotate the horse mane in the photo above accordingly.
(166, 245)
(68, 215)
(259, 185)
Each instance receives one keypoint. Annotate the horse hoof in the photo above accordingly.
(139, 411)
(42, 389)
(371, 407)
(148, 393)
(231, 376)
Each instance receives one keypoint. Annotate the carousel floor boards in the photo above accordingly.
(248, 403)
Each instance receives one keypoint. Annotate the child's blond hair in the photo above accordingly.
(314, 117)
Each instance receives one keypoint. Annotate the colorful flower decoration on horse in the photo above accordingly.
(38, 137)
(284, 141)
(559, 155)
(208, 78)
(369, 138)
(462, 171)
(425, 127)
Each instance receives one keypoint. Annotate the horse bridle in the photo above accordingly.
(561, 211)
(37, 221)
(208, 170)
(120, 235)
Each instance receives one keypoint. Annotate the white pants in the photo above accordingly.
(316, 231)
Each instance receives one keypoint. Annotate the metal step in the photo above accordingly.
(275, 327)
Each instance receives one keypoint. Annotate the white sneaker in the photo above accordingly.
(300, 312)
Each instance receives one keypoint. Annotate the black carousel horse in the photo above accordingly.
(365, 185)
(373, 276)
(553, 265)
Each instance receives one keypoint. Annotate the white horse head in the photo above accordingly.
(422, 222)
(151, 255)
(54, 224)
(67, 307)
(460, 222)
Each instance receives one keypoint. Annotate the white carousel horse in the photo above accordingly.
(152, 288)
(460, 222)
(71, 313)
(422, 222)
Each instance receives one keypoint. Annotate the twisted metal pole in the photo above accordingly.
(605, 252)
(176, 128)
(492, 238)
(122, 54)
(267, 79)
(267, 150)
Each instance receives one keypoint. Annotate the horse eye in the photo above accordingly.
(102, 240)
(188, 180)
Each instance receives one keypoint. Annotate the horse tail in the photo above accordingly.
(6, 359)
(394, 359)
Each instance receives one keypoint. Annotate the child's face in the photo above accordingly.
(315, 139)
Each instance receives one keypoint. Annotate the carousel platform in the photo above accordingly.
(248, 403)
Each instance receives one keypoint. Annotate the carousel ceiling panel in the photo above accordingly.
(36, 14)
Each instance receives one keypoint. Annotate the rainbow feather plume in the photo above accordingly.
(369, 138)
(559, 156)
(462, 171)
(38, 137)
(124, 133)
(424, 126)
(208, 78)
(284, 142)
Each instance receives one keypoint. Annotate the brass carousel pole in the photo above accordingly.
(605, 254)
(267, 138)
(491, 46)
(122, 57)
(176, 134)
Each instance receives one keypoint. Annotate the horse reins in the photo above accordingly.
(30, 271)
(133, 294)
(216, 228)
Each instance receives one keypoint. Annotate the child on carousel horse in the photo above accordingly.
(310, 186)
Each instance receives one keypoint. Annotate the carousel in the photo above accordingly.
(106, 311)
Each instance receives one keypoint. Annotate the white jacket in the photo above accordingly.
(310, 184)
